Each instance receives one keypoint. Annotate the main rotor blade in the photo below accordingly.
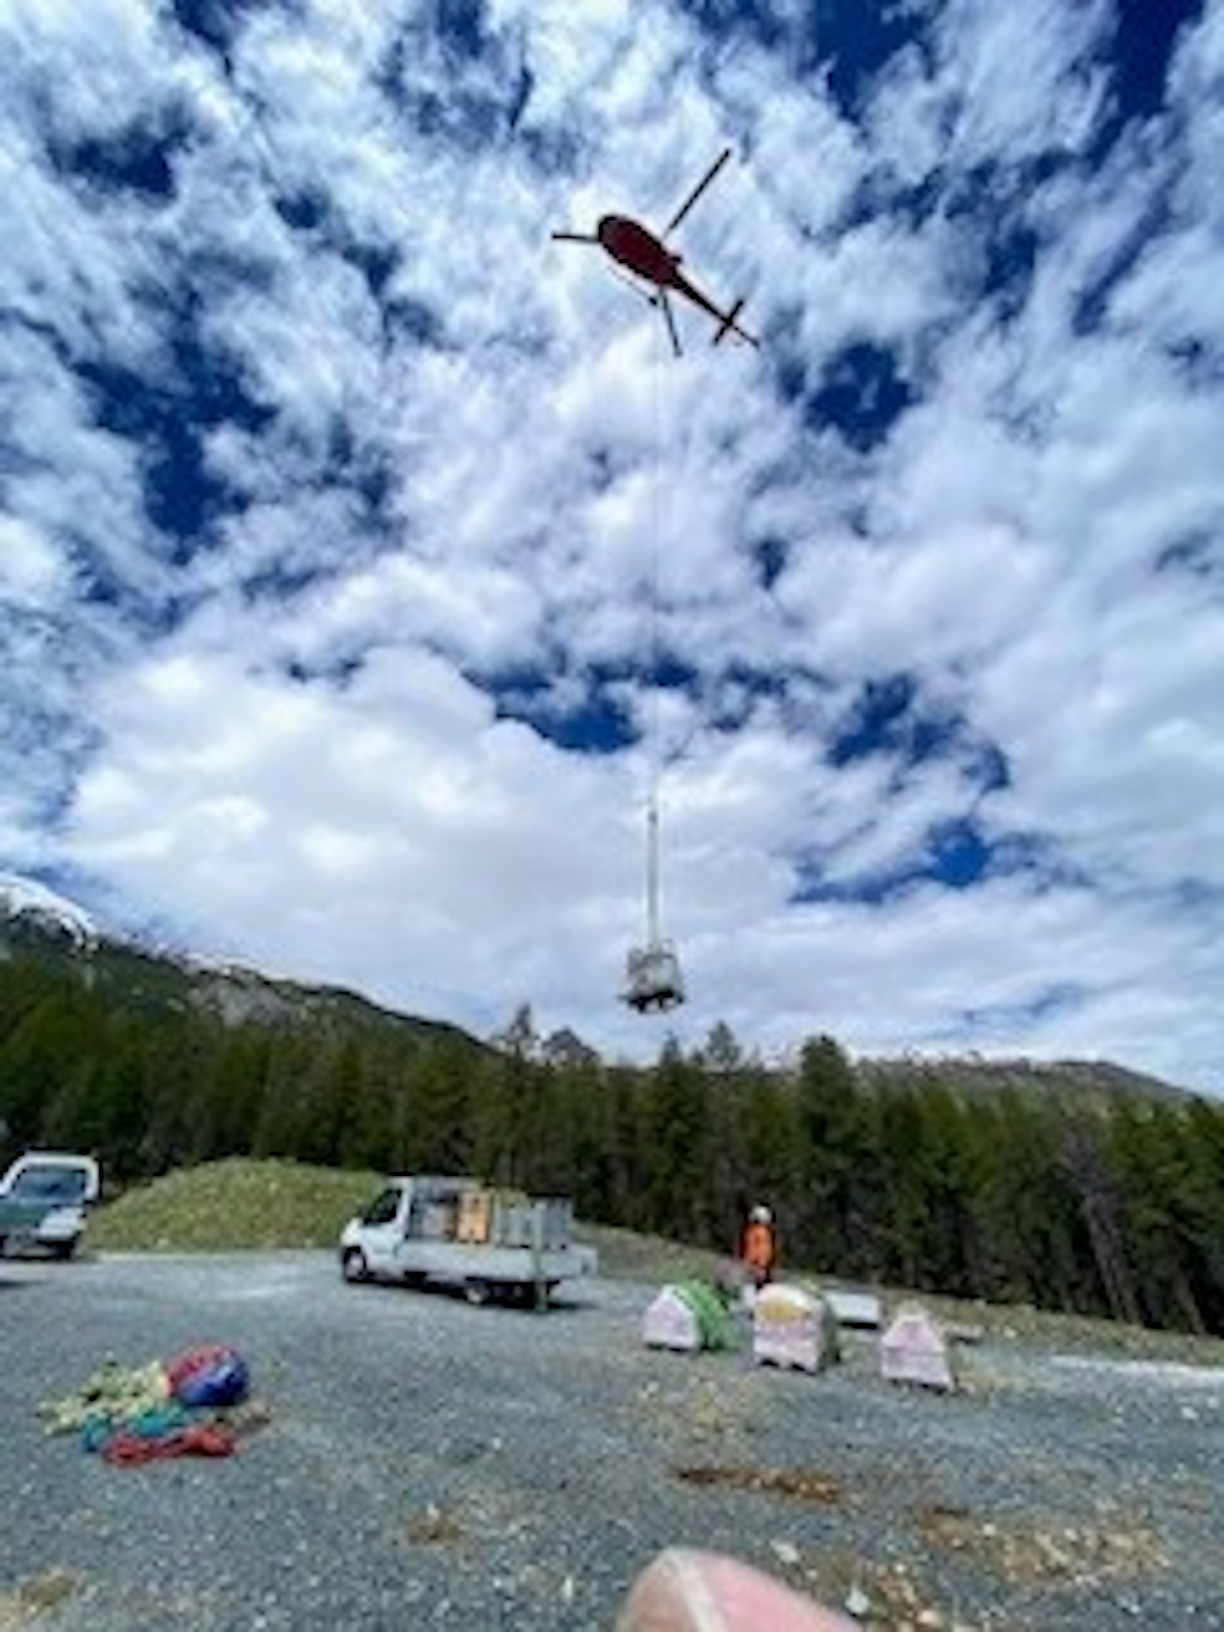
(576, 237)
(697, 191)
(671, 321)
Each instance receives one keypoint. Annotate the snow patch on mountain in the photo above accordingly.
(25, 898)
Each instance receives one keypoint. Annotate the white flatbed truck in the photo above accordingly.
(458, 1232)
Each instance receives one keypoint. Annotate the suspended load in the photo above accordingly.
(653, 982)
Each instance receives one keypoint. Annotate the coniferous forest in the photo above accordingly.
(1107, 1205)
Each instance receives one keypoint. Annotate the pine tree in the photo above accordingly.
(1083, 1156)
(832, 1141)
(435, 1117)
(1032, 1234)
(1153, 1172)
(677, 1151)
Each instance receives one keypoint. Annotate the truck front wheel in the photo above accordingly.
(353, 1265)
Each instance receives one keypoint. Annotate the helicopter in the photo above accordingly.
(648, 258)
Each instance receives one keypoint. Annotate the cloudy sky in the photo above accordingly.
(363, 551)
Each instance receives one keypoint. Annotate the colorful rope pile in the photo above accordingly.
(195, 1405)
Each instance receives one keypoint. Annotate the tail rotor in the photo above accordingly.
(730, 326)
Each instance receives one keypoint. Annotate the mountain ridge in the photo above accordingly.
(49, 927)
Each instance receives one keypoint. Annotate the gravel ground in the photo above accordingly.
(433, 1464)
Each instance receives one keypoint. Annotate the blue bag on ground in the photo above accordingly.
(212, 1376)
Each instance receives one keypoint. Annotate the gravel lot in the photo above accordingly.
(433, 1464)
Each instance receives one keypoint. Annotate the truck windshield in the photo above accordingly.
(382, 1209)
(62, 1184)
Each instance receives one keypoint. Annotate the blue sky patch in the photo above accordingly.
(953, 854)
(137, 159)
(454, 80)
(856, 38)
(769, 556)
(1145, 37)
(217, 23)
(1047, 1001)
(990, 204)
(168, 418)
(597, 723)
(892, 716)
(861, 393)
(731, 697)
(956, 853)
(888, 717)
(337, 672)
(1199, 555)
(848, 40)
(312, 212)
(1037, 858)
(357, 464)
(1092, 303)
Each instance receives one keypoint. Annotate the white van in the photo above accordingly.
(44, 1200)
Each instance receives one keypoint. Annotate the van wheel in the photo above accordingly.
(478, 1291)
(353, 1265)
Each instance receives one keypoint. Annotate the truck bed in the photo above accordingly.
(453, 1261)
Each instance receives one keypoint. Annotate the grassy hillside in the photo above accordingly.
(242, 1204)
(234, 1204)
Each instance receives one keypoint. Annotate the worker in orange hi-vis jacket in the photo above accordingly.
(760, 1247)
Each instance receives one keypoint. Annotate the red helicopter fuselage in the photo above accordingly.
(633, 246)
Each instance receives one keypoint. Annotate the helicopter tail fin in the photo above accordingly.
(730, 326)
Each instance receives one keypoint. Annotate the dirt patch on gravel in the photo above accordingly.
(1027, 1553)
(799, 1484)
(35, 1594)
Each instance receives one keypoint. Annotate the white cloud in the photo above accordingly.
(275, 735)
(32, 572)
(1023, 77)
(386, 833)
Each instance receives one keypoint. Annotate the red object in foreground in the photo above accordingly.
(687, 1590)
(198, 1440)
